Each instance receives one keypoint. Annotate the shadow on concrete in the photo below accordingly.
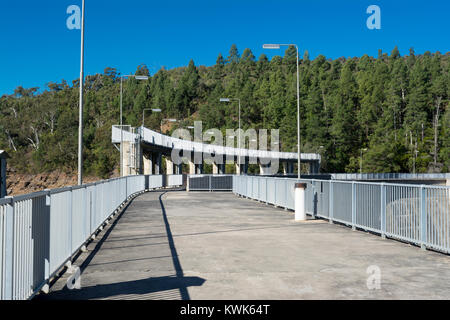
(149, 288)
(143, 288)
(176, 262)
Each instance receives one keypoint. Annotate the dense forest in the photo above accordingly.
(392, 109)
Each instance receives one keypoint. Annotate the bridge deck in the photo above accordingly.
(219, 246)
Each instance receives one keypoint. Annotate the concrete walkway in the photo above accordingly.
(219, 246)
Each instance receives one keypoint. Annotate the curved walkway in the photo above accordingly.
(179, 245)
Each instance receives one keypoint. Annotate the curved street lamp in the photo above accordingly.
(277, 46)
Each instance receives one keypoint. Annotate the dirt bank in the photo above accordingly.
(18, 183)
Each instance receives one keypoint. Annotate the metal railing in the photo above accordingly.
(40, 232)
(390, 176)
(209, 182)
(414, 213)
(174, 180)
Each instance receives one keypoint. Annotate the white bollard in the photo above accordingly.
(299, 196)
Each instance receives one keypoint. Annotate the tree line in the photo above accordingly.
(392, 110)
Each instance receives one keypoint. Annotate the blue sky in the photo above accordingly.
(36, 47)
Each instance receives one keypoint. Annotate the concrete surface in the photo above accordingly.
(220, 246)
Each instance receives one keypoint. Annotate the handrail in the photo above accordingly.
(418, 214)
(39, 232)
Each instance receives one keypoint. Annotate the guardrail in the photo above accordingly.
(388, 176)
(208, 182)
(413, 213)
(40, 232)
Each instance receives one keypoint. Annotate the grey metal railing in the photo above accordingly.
(417, 214)
(210, 182)
(41, 231)
(390, 176)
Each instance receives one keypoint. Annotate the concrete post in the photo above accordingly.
(191, 167)
(285, 169)
(157, 162)
(238, 168)
(126, 153)
(215, 168)
(169, 166)
(299, 196)
(147, 159)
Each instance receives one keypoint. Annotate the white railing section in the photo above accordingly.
(40, 232)
(174, 179)
(417, 214)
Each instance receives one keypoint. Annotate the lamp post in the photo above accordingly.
(80, 117)
(121, 108)
(360, 163)
(277, 46)
(239, 135)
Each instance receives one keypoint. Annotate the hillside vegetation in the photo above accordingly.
(395, 106)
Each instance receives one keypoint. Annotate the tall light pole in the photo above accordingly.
(121, 118)
(277, 46)
(239, 134)
(80, 117)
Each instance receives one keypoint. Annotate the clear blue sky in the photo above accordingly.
(36, 47)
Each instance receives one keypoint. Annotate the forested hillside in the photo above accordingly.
(394, 108)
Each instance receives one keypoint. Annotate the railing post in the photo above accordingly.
(9, 251)
(48, 203)
(266, 191)
(210, 187)
(275, 192)
(383, 210)
(331, 202)
(353, 205)
(423, 218)
(71, 222)
(285, 193)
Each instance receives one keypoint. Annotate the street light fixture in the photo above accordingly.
(80, 117)
(239, 135)
(121, 118)
(278, 46)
